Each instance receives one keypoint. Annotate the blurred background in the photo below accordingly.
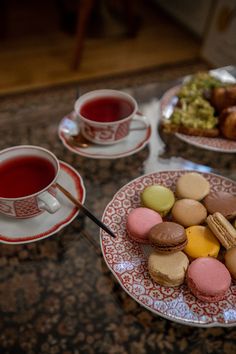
(47, 43)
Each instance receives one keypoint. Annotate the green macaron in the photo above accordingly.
(158, 198)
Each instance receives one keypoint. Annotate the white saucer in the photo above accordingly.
(17, 231)
(135, 141)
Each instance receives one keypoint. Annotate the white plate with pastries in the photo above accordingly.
(219, 143)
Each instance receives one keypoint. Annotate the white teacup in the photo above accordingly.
(105, 115)
(28, 175)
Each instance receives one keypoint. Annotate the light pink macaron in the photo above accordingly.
(140, 221)
(208, 279)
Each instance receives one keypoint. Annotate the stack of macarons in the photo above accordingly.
(186, 228)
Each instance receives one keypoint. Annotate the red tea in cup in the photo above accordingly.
(105, 116)
(106, 109)
(28, 176)
(25, 175)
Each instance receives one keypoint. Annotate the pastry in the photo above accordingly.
(222, 202)
(201, 242)
(228, 123)
(168, 270)
(193, 114)
(169, 127)
(167, 237)
(158, 198)
(230, 261)
(208, 279)
(140, 221)
(192, 185)
(222, 229)
(223, 97)
(188, 212)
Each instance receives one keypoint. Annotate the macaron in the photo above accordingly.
(201, 242)
(188, 212)
(222, 202)
(140, 221)
(222, 229)
(192, 185)
(208, 279)
(158, 198)
(168, 270)
(230, 261)
(167, 237)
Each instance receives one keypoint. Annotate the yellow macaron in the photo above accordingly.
(201, 242)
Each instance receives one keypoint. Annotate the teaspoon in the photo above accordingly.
(71, 129)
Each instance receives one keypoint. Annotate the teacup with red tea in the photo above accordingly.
(28, 175)
(105, 115)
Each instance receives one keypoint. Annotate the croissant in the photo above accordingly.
(223, 97)
(227, 122)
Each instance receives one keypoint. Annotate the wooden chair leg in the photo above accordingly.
(84, 11)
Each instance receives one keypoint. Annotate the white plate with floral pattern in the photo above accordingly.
(17, 231)
(127, 259)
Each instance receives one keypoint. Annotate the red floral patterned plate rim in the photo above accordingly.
(21, 231)
(135, 142)
(127, 259)
(214, 144)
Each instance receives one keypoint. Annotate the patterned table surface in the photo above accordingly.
(57, 295)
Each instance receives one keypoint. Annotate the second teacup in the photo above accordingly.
(105, 115)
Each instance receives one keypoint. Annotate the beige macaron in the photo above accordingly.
(222, 229)
(188, 212)
(168, 269)
(192, 185)
(230, 261)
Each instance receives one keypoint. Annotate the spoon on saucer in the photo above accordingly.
(71, 129)
(79, 141)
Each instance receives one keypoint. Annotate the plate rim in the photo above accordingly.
(187, 139)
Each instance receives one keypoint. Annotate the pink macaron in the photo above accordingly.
(208, 279)
(140, 221)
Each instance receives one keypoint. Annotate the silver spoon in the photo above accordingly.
(71, 129)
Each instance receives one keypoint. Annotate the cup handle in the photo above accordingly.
(48, 202)
(139, 117)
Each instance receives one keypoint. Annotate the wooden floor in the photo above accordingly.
(35, 60)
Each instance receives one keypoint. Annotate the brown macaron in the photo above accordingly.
(168, 237)
(188, 212)
(222, 202)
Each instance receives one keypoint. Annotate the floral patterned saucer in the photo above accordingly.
(17, 231)
(127, 259)
(220, 144)
(134, 142)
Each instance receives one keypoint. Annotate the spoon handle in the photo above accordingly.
(85, 210)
